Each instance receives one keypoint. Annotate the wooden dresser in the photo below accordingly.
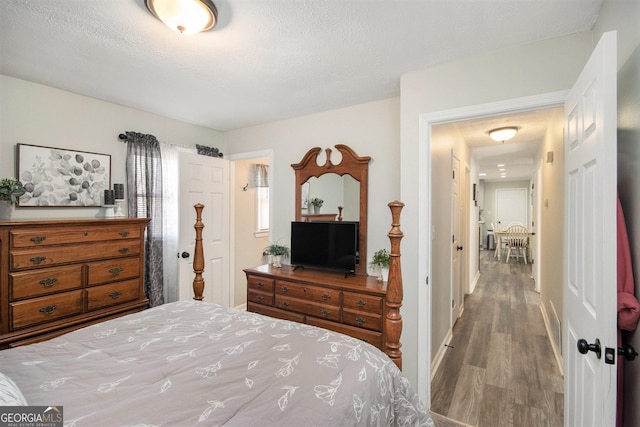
(61, 275)
(352, 305)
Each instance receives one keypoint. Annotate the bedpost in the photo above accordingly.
(393, 321)
(198, 256)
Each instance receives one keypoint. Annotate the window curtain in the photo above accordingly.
(144, 200)
(261, 175)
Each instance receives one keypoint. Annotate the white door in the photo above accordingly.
(456, 248)
(511, 206)
(205, 180)
(590, 240)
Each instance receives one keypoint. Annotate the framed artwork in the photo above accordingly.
(58, 177)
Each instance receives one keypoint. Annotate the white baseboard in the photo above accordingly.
(435, 363)
(241, 307)
(550, 334)
(474, 282)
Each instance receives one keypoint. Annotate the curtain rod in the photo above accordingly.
(123, 137)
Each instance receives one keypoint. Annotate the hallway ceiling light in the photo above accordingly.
(185, 16)
(503, 134)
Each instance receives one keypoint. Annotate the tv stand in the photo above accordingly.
(354, 305)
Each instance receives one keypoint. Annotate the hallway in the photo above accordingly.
(500, 369)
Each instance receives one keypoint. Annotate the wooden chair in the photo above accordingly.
(517, 238)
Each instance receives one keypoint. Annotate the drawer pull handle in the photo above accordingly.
(38, 239)
(325, 296)
(260, 298)
(285, 289)
(361, 303)
(260, 284)
(37, 260)
(115, 294)
(48, 309)
(361, 320)
(116, 270)
(48, 282)
(124, 233)
(285, 304)
(123, 250)
(325, 313)
(86, 233)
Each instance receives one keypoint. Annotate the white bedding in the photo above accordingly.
(197, 363)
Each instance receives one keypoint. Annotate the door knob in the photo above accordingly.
(459, 248)
(628, 352)
(185, 254)
(584, 347)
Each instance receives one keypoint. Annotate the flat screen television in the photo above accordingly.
(328, 245)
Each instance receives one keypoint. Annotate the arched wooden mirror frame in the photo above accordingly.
(352, 164)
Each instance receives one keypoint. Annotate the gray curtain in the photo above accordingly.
(144, 200)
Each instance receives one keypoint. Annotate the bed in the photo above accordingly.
(198, 363)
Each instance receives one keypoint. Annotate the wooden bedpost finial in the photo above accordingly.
(198, 256)
(394, 287)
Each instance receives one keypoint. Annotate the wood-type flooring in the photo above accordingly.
(500, 369)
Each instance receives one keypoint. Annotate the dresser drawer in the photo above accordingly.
(45, 309)
(40, 257)
(260, 297)
(113, 269)
(29, 284)
(362, 319)
(274, 312)
(323, 311)
(260, 283)
(112, 294)
(362, 302)
(309, 293)
(26, 238)
(373, 338)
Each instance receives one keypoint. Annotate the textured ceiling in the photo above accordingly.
(266, 59)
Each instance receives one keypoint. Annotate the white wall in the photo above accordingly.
(40, 115)
(370, 129)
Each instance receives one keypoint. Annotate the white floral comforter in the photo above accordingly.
(196, 363)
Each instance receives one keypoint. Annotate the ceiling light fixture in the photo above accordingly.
(185, 16)
(503, 134)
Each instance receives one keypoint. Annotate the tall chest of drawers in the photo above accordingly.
(61, 275)
(352, 305)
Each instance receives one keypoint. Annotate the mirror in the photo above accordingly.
(337, 185)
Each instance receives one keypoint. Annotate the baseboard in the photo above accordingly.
(241, 307)
(550, 333)
(435, 363)
(474, 282)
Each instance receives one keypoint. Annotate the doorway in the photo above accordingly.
(432, 223)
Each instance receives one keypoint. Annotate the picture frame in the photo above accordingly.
(61, 177)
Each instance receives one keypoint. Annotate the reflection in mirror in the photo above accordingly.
(336, 191)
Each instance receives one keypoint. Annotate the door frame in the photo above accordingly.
(426, 122)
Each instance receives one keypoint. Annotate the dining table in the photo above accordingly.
(499, 235)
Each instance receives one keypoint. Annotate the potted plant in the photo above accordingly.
(276, 251)
(380, 262)
(317, 204)
(10, 191)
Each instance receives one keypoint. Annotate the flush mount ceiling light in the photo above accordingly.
(503, 134)
(185, 16)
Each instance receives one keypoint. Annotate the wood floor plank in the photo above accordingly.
(500, 369)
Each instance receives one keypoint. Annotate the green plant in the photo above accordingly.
(316, 201)
(276, 249)
(11, 189)
(381, 258)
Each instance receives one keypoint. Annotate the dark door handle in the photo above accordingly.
(628, 352)
(185, 254)
(584, 347)
(459, 248)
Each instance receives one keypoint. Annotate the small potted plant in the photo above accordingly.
(380, 262)
(276, 251)
(10, 191)
(317, 204)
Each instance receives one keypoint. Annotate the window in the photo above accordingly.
(262, 211)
